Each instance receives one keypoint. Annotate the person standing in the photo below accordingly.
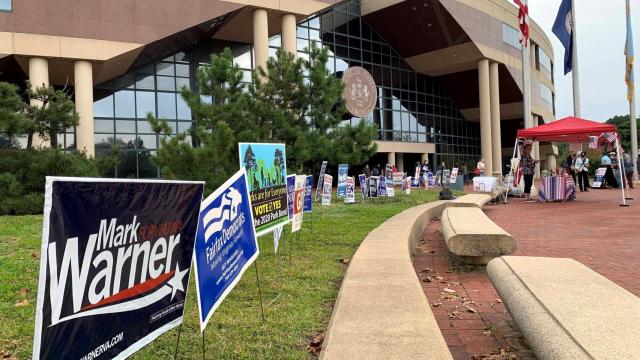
(480, 168)
(569, 165)
(528, 165)
(582, 169)
(463, 171)
(367, 171)
(376, 171)
(628, 169)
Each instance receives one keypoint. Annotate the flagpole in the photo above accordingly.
(574, 56)
(632, 110)
(526, 80)
(526, 91)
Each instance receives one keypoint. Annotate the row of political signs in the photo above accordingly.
(117, 253)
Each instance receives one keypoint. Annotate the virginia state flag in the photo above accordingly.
(563, 27)
(628, 52)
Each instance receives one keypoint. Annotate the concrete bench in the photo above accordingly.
(566, 310)
(497, 195)
(471, 200)
(381, 311)
(470, 234)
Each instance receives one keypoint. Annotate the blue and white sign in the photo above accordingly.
(343, 169)
(225, 243)
(382, 186)
(308, 196)
(291, 187)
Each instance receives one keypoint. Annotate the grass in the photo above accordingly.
(298, 297)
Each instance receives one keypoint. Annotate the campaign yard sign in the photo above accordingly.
(351, 191)
(298, 203)
(404, 182)
(398, 178)
(225, 244)
(326, 189)
(416, 178)
(373, 186)
(308, 197)
(266, 168)
(291, 188)
(454, 176)
(114, 266)
(364, 190)
(342, 179)
(323, 170)
(382, 186)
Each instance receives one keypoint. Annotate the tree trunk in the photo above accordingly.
(54, 140)
(29, 141)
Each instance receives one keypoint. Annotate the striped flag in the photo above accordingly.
(523, 17)
(610, 136)
(628, 52)
(593, 142)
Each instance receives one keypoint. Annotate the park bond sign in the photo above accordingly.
(360, 93)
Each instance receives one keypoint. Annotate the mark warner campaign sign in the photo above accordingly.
(225, 245)
(115, 264)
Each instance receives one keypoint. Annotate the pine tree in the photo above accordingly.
(12, 117)
(294, 101)
(299, 102)
(51, 114)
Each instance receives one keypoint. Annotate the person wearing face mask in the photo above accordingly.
(582, 169)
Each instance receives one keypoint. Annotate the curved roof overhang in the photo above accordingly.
(445, 39)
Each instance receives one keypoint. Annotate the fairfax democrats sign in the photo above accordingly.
(225, 245)
(115, 264)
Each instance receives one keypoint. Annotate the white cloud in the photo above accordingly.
(601, 36)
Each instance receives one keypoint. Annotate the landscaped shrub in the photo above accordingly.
(23, 172)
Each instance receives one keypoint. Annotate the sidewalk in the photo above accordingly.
(594, 230)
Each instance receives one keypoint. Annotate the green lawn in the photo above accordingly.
(298, 297)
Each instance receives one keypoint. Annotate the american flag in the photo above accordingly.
(610, 136)
(523, 17)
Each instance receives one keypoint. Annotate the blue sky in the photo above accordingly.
(601, 38)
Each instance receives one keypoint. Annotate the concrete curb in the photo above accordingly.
(381, 311)
(566, 310)
(471, 200)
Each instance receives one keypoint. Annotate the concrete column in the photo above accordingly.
(424, 157)
(399, 162)
(83, 74)
(260, 38)
(391, 158)
(551, 162)
(39, 77)
(485, 115)
(496, 137)
(289, 34)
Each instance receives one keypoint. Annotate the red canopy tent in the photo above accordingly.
(570, 129)
(573, 130)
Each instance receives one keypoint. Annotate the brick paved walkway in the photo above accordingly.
(472, 318)
(594, 230)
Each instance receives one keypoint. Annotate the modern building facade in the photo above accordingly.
(448, 73)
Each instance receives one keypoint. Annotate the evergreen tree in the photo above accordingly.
(220, 109)
(299, 102)
(12, 117)
(293, 101)
(51, 114)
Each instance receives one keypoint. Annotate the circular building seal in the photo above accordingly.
(359, 92)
